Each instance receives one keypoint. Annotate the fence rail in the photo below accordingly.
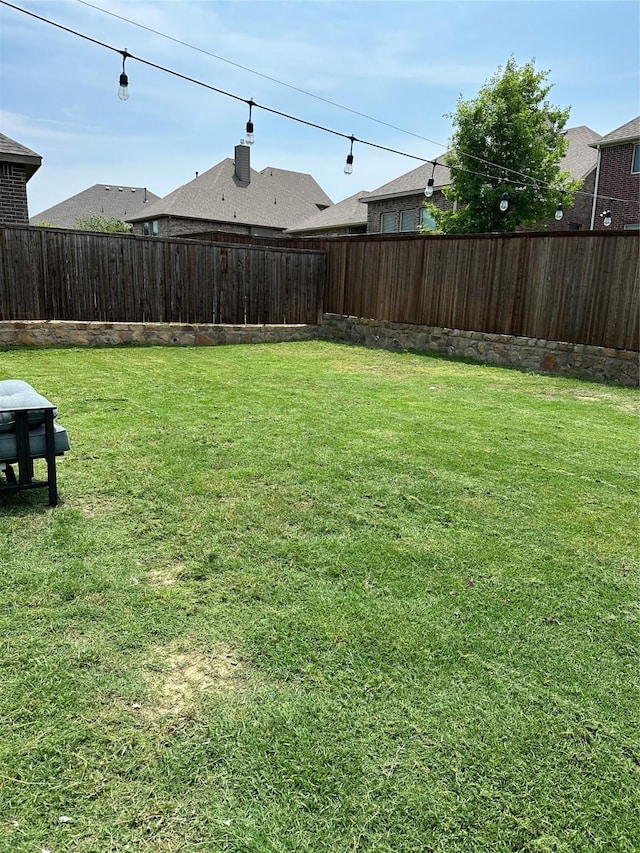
(68, 275)
(580, 287)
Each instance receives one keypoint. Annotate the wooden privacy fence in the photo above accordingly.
(576, 287)
(48, 274)
(580, 287)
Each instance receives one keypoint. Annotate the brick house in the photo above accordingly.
(398, 204)
(18, 164)
(617, 184)
(233, 197)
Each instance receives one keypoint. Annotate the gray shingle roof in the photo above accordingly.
(348, 212)
(626, 133)
(412, 182)
(579, 160)
(274, 198)
(13, 152)
(111, 200)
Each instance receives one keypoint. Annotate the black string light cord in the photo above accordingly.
(251, 103)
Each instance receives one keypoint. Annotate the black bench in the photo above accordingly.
(28, 431)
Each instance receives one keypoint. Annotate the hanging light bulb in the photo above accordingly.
(249, 138)
(559, 211)
(606, 221)
(504, 202)
(428, 190)
(348, 166)
(123, 91)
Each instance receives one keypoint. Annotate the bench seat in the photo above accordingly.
(27, 432)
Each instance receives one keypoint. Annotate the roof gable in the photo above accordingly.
(13, 152)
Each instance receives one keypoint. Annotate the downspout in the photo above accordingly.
(595, 189)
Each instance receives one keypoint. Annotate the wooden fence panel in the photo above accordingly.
(51, 274)
(576, 287)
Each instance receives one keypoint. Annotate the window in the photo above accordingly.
(635, 167)
(145, 229)
(575, 226)
(426, 220)
(150, 228)
(388, 223)
(407, 220)
(632, 226)
(154, 227)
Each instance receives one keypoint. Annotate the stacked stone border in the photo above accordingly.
(582, 361)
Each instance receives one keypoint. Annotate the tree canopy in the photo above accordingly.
(507, 146)
(98, 222)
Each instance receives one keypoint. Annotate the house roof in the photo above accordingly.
(412, 182)
(579, 159)
(348, 212)
(626, 133)
(111, 200)
(13, 152)
(274, 198)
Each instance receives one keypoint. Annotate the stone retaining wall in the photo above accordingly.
(55, 333)
(578, 360)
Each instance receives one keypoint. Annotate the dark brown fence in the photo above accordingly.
(68, 275)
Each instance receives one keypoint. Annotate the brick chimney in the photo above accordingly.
(243, 163)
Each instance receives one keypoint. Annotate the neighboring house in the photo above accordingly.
(348, 216)
(617, 186)
(109, 200)
(234, 197)
(17, 165)
(399, 204)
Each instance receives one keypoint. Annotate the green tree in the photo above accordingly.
(508, 139)
(98, 222)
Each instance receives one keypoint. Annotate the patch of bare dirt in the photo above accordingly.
(177, 677)
(164, 577)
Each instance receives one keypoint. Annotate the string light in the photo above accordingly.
(428, 190)
(123, 91)
(606, 217)
(348, 166)
(559, 211)
(249, 137)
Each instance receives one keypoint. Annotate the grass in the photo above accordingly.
(311, 597)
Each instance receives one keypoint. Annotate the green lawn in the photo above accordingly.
(324, 599)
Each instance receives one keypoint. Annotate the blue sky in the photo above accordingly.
(402, 63)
